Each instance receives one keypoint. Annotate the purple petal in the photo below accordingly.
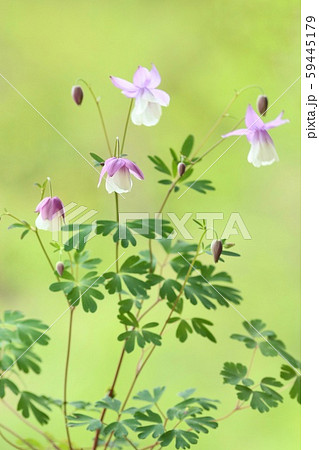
(252, 119)
(155, 77)
(141, 77)
(103, 172)
(239, 132)
(57, 206)
(161, 96)
(42, 204)
(134, 169)
(127, 88)
(276, 122)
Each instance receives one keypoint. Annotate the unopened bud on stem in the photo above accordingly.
(77, 94)
(262, 104)
(59, 268)
(216, 249)
(181, 169)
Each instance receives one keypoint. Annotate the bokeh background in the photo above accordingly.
(203, 51)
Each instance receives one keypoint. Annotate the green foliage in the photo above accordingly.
(136, 286)
(17, 334)
(201, 186)
(137, 336)
(80, 235)
(266, 340)
(83, 290)
(234, 373)
(124, 233)
(29, 403)
(151, 398)
(78, 420)
(264, 399)
(23, 225)
(200, 326)
(288, 373)
(6, 383)
(187, 146)
(182, 438)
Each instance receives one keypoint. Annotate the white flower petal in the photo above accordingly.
(262, 153)
(120, 182)
(149, 117)
(49, 225)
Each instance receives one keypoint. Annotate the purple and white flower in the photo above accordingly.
(262, 150)
(51, 214)
(148, 100)
(119, 172)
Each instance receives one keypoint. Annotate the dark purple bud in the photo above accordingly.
(262, 104)
(77, 94)
(181, 169)
(217, 248)
(59, 268)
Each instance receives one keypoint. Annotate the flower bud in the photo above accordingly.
(77, 94)
(216, 249)
(59, 268)
(262, 104)
(181, 169)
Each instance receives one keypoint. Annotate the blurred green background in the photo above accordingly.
(203, 51)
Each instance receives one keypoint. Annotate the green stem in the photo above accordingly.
(66, 371)
(9, 442)
(111, 391)
(30, 425)
(17, 436)
(68, 345)
(100, 114)
(223, 115)
(126, 125)
(139, 370)
(46, 253)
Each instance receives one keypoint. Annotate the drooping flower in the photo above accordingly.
(148, 100)
(216, 248)
(51, 214)
(119, 172)
(262, 150)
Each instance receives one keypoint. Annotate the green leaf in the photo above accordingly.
(201, 424)
(200, 327)
(159, 164)
(261, 400)
(5, 382)
(182, 330)
(148, 416)
(183, 438)
(80, 235)
(201, 186)
(169, 289)
(114, 284)
(28, 403)
(154, 430)
(149, 397)
(97, 158)
(77, 420)
(288, 373)
(134, 264)
(109, 403)
(250, 343)
(187, 145)
(233, 373)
